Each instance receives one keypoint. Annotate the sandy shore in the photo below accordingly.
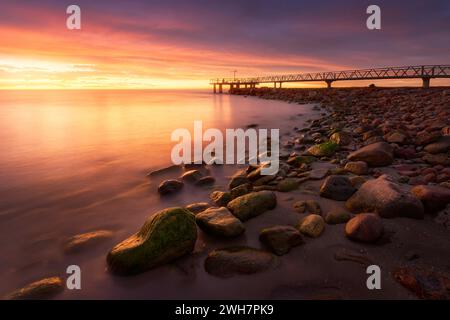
(373, 172)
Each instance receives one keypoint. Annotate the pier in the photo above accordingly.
(425, 72)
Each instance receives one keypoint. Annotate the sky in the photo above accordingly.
(137, 44)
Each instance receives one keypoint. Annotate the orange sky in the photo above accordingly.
(114, 51)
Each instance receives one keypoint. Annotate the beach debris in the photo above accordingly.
(167, 235)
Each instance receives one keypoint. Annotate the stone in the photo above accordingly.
(424, 137)
(167, 235)
(42, 289)
(375, 155)
(318, 174)
(298, 160)
(437, 159)
(385, 197)
(170, 186)
(325, 149)
(232, 261)
(220, 198)
(237, 181)
(288, 184)
(337, 188)
(337, 216)
(312, 225)
(205, 181)
(357, 181)
(241, 190)
(280, 239)
(396, 137)
(442, 145)
(81, 241)
(434, 198)
(357, 167)
(364, 227)
(308, 206)
(219, 222)
(341, 138)
(425, 284)
(191, 176)
(252, 204)
(197, 207)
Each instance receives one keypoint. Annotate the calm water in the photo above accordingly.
(75, 161)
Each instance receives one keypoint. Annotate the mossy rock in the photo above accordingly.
(164, 237)
(298, 160)
(312, 225)
(325, 149)
(252, 204)
(288, 184)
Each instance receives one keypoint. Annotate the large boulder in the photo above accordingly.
(164, 237)
(42, 289)
(337, 188)
(219, 222)
(252, 204)
(376, 154)
(434, 198)
(387, 198)
(238, 260)
(365, 227)
(280, 239)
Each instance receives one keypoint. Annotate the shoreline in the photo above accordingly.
(330, 264)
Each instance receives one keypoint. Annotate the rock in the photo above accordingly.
(206, 181)
(298, 160)
(308, 206)
(42, 289)
(167, 235)
(312, 225)
(238, 260)
(252, 204)
(375, 155)
(396, 137)
(337, 188)
(442, 145)
(437, 159)
(241, 190)
(191, 176)
(170, 169)
(170, 186)
(385, 197)
(341, 138)
(237, 181)
(365, 227)
(198, 207)
(357, 167)
(425, 137)
(434, 198)
(220, 198)
(264, 180)
(357, 181)
(288, 184)
(219, 222)
(337, 216)
(425, 284)
(325, 149)
(318, 174)
(81, 241)
(280, 239)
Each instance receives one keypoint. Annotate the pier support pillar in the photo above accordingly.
(220, 88)
(238, 86)
(426, 82)
(329, 82)
(280, 84)
(214, 88)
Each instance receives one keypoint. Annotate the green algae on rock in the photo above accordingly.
(164, 237)
(252, 204)
(325, 149)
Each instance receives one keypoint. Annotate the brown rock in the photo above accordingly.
(375, 154)
(280, 239)
(434, 198)
(365, 227)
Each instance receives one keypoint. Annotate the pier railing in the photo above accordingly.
(424, 72)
